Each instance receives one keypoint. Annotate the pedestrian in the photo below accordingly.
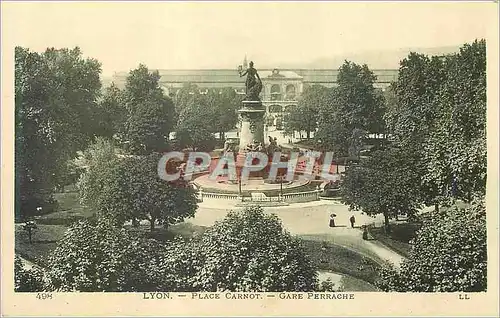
(365, 233)
(353, 220)
(332, 220)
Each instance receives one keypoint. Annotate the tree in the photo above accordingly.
(150, 115)
(94, 255)
(28, 280)
(449, 254)
(98, 159)
(56, 96)
(383, 183)
(197, 124)
(227, 102)
(250, 251)
(455, 149)
(353, 104)
(111, 112)
(304, 116)
(439, 112)
(184, 95)
(129, 188)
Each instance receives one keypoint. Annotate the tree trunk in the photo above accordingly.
(152, 224)
(308, 135)
(29, 234)
(436, 207)
(386, 221)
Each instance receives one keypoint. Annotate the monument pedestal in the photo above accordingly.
(252, 123)
(251, 132)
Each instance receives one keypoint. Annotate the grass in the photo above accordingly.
(69, 210)
(352, 284)
(399, 238)
(331, 257)
(44, 238)
(353, 246)
(183, 230)
(50, 229)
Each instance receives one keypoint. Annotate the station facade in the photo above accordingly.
(281, 87)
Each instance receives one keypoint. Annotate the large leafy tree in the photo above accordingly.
(99, 158)
(129, 188)
(439, 113)
(250, 251)
(111, 112)
(197, 123)
(304, 116)
(455, 151)
(226, 103)
(353, 104)
(449, 254)
(412, 114)
(383, 183)
(149, 114)
(56, 95)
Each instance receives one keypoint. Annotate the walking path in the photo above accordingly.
(27, 264)
(312, 220)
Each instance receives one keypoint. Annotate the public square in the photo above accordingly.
(112, 194)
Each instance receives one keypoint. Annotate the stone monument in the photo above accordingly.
(252, 112)
(251, 116)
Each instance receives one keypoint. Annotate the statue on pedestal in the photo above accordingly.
(253, 83)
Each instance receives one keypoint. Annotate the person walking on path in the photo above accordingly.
(353, 220)
(332, 220)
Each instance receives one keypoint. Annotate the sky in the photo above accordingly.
(218, 35)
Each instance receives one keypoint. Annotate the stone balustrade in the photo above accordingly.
(296, 197)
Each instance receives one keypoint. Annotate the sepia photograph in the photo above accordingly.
(277, 154)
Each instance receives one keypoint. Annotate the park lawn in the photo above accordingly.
(352, 284)
(69, 210)
(347, 243)
(331, 257)
(185, 230)
(399, 238)
(402, 233)
(44, 238)
(67, 200)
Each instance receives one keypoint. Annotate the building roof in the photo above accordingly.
(228, 77)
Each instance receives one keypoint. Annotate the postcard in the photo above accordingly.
(249, 158)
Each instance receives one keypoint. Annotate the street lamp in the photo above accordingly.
(239, 185)
(281, 186)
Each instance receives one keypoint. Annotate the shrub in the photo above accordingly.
(250, 251)
(28, 280)
(448, 255)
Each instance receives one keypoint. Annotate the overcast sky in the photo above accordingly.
(218, 35)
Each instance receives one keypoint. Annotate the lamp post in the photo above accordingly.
(281, 187)
(239, 185)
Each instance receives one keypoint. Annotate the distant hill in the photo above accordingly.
(386, 59)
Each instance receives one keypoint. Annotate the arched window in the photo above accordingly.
(275, 109)
(270, 120)
(290, 92)
(275, 92)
